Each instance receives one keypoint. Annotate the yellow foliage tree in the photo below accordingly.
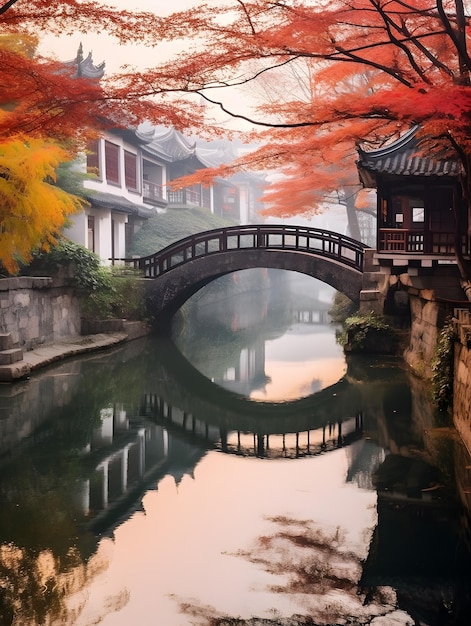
(44, 104)
(32, 209)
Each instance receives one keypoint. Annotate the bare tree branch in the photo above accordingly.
(7, 6)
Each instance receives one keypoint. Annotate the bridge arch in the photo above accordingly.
(184, 267)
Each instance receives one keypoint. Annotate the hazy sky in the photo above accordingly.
(106, 48)
(115, 56)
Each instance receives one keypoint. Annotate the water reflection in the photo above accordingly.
(273, 344)
(116, 497)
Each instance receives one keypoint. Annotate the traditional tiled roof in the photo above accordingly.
(171, 145)
(86, 67)
(403, 157)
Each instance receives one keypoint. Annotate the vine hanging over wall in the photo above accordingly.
(443, 367)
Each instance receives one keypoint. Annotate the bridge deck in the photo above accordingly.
(316, 241)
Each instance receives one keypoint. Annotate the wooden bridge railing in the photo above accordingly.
(316, 241)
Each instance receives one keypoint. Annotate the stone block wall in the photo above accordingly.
(36, 310)
(462, 379)
(47, 393)
(426, 320)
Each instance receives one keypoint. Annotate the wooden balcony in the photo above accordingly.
(185, 198)
(401, 240)
(153, 193)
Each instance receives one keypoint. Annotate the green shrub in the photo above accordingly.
(342, 308)
(87, 272)
(369, 332)
(166, 228)
(104, 292)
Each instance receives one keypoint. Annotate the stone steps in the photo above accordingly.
(6, 342)
(13, 355)
(9, 353)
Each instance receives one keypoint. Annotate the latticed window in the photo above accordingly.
(130, 170)
(112, 162)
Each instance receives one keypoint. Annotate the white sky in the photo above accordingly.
(107, 49)
(116, 56)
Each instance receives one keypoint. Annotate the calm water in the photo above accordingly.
(250, 472)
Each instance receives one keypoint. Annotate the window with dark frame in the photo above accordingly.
(112, 163)
(130, 170)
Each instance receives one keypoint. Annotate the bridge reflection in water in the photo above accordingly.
(152, 416)
(128, 456)
(129, 453)
(292, 444)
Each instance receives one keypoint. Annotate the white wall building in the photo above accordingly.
(125, 188)
(128, 175)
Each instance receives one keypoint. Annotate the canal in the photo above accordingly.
(242, 472)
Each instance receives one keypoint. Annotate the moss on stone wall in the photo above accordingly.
(443, 367)
(368, 333)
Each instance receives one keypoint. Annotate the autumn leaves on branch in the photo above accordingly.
(306, 80)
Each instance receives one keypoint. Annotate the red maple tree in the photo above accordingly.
(415, 54)
(45, 97)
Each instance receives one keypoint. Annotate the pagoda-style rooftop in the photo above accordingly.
(404, 157)
(419, 202)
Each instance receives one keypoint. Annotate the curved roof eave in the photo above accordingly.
(404, 158)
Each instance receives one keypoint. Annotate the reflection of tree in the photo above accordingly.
(36, 586)
(320, 574)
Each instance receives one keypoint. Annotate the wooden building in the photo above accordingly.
(419, 205)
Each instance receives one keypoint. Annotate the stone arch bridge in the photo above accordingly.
(182, 268)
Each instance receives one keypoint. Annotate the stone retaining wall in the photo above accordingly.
(462, 378)
(427, 317)
(36, 310)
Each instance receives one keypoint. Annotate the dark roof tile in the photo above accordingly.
(404, 158)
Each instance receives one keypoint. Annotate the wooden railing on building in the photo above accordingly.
(152, 191)
(414, 241)
(184, 196)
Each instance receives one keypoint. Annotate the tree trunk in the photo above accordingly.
(353, 226)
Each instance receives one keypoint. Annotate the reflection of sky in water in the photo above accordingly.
(184, 546)
(304, 360)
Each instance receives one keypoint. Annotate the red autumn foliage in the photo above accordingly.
(414, 52)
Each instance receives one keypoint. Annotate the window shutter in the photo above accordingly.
(93, 161)
(130, 170)
(112, 162)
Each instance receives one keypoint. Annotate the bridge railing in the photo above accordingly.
(316, 241)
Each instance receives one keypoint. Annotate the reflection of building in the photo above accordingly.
(128, 456)
(125, 453)
(364, 457)
(416, 550)
(248, 373)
